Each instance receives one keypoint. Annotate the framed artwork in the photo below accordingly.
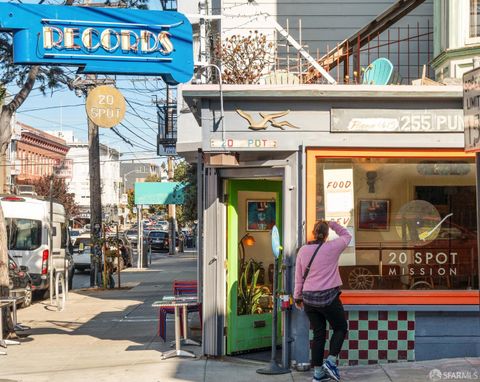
(261, 215)
(373, 214)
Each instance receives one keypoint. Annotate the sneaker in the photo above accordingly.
(324, 378)
(331, 370)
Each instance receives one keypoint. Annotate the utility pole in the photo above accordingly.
(172, 211)
(95, 198)
(86, 85)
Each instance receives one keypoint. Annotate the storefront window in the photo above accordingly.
(413, 221)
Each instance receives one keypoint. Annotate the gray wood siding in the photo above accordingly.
(446, 335)
(327, 23)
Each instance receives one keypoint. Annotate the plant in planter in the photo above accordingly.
(248, 291)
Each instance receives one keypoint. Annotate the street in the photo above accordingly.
(81, 280)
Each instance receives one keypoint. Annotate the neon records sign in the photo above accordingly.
(110, 40)
(101, 40)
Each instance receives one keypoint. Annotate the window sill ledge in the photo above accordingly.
(411, 297)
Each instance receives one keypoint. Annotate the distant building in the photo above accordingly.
(33, 153)
(137, 172)
(80, 182)
(456, 40)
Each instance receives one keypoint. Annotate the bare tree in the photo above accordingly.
(244, 58)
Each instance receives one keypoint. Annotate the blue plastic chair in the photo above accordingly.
(379, 72)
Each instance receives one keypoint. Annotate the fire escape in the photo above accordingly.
(167, 125)
(169, 5)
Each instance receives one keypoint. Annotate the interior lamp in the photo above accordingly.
(247, 240)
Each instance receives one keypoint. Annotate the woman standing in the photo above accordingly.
(317, 291)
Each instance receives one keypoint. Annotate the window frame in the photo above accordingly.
(384, 297)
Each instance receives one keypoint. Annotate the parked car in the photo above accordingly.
(160, 240)
(20, 283)
(162, 225)
(82, 249)
(132, 236)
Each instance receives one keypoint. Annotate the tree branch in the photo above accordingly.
(27, 87)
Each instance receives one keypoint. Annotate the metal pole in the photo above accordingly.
(203, 65)
(50, 238)
(171, 213)
(118, 255)
(273, 368)
(140, 236)
(104, 251)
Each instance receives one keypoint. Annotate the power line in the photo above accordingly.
(128, 141)
(138, 115)
(138, 136)
(54, 122)
(54, 107)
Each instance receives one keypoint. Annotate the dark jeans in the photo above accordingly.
(335, 315)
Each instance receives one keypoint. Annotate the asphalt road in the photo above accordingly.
(81, 279)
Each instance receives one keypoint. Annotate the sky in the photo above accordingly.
(63, 110)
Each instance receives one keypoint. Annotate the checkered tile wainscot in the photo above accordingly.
(377, 337)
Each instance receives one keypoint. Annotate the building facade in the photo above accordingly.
(387, 162)
(138, 172)
(34, 153)
(80, 181)
(457, 38)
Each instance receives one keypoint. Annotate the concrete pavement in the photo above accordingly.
(111, 336)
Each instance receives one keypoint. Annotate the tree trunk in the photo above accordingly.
(5, 137)
(7, 322)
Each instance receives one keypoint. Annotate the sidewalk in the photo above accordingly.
(111, 336)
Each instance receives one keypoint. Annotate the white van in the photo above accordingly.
(27, 220)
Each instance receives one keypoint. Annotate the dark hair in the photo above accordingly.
(320, 230)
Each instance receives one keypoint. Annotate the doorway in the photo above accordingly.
(254, 206)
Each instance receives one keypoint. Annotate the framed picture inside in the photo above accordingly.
(373, 214)
(261, 215)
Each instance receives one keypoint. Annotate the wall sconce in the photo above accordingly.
(247, 240)
(371, 178)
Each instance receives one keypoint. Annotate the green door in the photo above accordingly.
(254, 207)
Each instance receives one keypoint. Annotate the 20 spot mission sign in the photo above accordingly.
(101, 40)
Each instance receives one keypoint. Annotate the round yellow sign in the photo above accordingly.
(105, 106)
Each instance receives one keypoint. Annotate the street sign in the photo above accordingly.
(105, 106)
(63, 169)
(101, 40)
(166, 150)
(159, 193)
(471, 109)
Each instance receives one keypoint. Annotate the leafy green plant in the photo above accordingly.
(248, 291)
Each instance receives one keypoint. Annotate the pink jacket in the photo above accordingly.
(324, 269)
